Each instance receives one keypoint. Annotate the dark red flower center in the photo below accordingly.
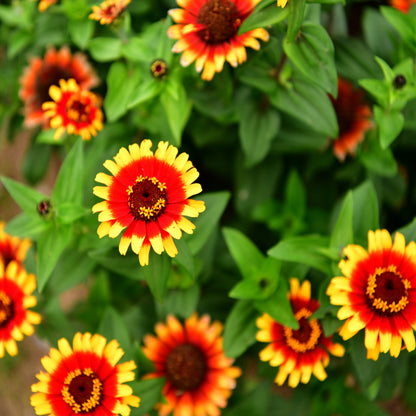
(49, 75)
(186, 367)
(82, 391)
(345, 109)
(147, 198)
(6, 309)
(221, 20)
(306, 337)
(78, 109)
(159, 68)
(387, 292)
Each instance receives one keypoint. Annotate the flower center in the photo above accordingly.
(78, 110)
(221, 20)
(307, 336)
(186, 367)
(6, 309)
(159, 68)
(147, 198)
(50, 75)
(387, 291)
(82, 390)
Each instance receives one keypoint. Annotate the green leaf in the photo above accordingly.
(247, 256)
(113, 326)
(69, 183)
(378, 88)
(342, 234)
(296, 16)
(240, 328)
(215, 204)
(150, 393)
(279, 307)
(36, 162)
(257, 128)
(178, 109)
(263, 18)
(182, 302)
(137, 50)
(308, 103)
(18, 41)
(185, 257)
(378, 160)
(25, 196)
(389, 123)
(313, 54)
(68, 212)
(145, 91)
(27, 226)
(49, 248)
(105, 49)
(81, 32)
(121, 81)
(305, 249)
(295, 195)
(156, 274)
(403, 23)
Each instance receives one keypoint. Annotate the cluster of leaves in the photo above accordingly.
(279, 204)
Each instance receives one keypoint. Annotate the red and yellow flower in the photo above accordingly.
(40, 74)
(402, 5)
(354, 119)
(148, 196)
(108, 11)
(377, 293)
(16, 320)
(199, 378)
(73, 110)
(207, 33)
(299, 352)
(12, 248)
(84, 379)
(44, 4)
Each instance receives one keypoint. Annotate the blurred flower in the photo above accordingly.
(299, 352)
(159, 69)
(44, 4)
(85, 379)
(281, 3)
(12, 248)
(353, 115)
(42, 73)
(148, 194)
(402, 5)
(377, 293)
(16, 320)
(108, 10)
(74, 110)
(207, 33)
(199, 378)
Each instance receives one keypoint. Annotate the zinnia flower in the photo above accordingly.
(402, 5)
(85, 379)
(199, 378)
(73, 109)
(377, 293)
(299, 352)
(12, 248)
(108, 10)
(353, 115)
(40, 74)
(44, 4)
(16, 320)
(148, 195)
(207, 33)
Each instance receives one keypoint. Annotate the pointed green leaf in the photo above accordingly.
(296, 16)
(27, 226)
(150, 393)
(81, 32)
(342, 234)
(389, 123)
(264, 17)
(105, 49)
(156, 274)
(113, 326)
(145, 91)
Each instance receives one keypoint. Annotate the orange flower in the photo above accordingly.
(377, 293)
(149, 196)
(12, 248)
(42, 73)
(74, 110)
(108, 10)
(44, 4)
(353, 116)
(85, 379)
(301, 352)
(207, 33)
(402, 5)
(16, 320)
(199, 378)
